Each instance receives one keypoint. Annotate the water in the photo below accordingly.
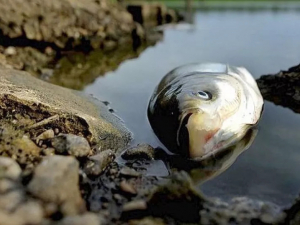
(264, 42)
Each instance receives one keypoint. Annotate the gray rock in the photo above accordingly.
(98, 163)
(71, 144)
(56, 180)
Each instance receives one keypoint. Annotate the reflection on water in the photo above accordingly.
(264, 42)
(210, 167)
(77, 70)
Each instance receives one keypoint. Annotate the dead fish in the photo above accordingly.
(199, 109)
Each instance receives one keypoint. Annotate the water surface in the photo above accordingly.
(264, 42)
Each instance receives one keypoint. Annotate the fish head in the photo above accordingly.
(214, 108)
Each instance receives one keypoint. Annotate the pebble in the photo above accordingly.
(9, 168)
(45, 135)
(135, 205)
(127, 187)
(98, 163)
(56, 131)
(126, 171)
(71, 144)
(10, 51)
(141, 151)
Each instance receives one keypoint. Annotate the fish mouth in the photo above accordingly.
(195, 130)
(183, 136)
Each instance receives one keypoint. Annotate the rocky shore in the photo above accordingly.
(57, 163)
(65, 157)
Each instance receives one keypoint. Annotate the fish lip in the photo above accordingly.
(184, 117)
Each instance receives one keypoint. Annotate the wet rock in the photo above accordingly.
(98, 163)
(85, 219)
(282, 88)
(176, 194)
(56, 180)
(141, 151)
(37, 105)
(71, 144)
(126, 171)
(127, 188)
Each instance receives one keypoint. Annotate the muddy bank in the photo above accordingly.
(282, 88)
(48, 38)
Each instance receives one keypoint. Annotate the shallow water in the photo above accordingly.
(264, 42)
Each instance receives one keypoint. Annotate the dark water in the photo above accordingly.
(264, 42)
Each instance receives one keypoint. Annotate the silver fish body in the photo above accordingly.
(199, 109)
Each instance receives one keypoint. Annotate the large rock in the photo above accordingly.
(15, 207)
(38, 106)
(282, 88)
(56, 180)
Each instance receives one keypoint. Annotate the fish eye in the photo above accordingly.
(204, 95)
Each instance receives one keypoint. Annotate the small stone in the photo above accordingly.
(128, 188)
(98, 163)
(40, 143)
(10, 51)
(49, 51)
(48, 151)
(135, 205)
(45, 135)
(56, 180)
(126, 171)
(9, 201)
(26, 144)
(9, 168)
(141, 151)
(117, 197)
(71, 144)
(113, 171)
(30, 212)
(56, 131)
(50, 209)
